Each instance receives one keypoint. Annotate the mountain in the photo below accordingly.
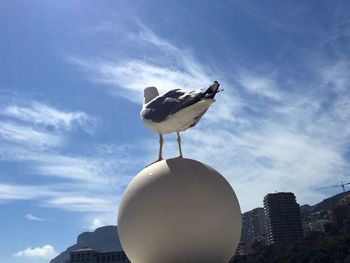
(103, 239)
(309, 212)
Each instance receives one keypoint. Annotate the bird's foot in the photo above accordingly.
(180, 156)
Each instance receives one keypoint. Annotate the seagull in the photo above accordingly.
(175, 111)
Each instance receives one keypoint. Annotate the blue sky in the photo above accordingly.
(71, 80)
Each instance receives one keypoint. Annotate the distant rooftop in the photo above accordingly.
(83, 249)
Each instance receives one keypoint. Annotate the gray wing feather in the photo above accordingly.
(171, 102)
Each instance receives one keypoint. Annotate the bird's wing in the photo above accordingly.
(188, 99)
(171, 102)
(175, 93)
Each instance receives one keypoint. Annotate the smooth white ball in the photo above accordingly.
(179, 210)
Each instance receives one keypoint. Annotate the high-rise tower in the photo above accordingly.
(253, 226)
(283, 220)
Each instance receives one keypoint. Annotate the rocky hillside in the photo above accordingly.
(309, 212)
(103, 239)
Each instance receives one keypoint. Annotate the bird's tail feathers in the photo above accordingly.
(212, 90)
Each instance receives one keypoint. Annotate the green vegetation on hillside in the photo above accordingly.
(317, 247)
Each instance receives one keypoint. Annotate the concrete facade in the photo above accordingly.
(283, 219)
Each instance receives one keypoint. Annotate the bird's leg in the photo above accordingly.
(160, 147)
(179, 143)
(160, 150)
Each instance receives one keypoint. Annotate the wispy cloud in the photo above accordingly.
(69, 197)
(260, 85)
(86, 183)
(81, 203)
(34, 218)
(34, 135)
(268, 131)
(303, 138)
(21, 192)
(22, 134)
(106, 167)
(46, 251)
(169, 68)
(45, 115)
(177, 70)
(38, 125)
(80, 183)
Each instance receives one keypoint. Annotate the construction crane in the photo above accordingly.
(342, 185)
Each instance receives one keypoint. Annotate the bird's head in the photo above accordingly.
(150, 93)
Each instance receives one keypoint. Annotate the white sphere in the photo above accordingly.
(179, 210)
